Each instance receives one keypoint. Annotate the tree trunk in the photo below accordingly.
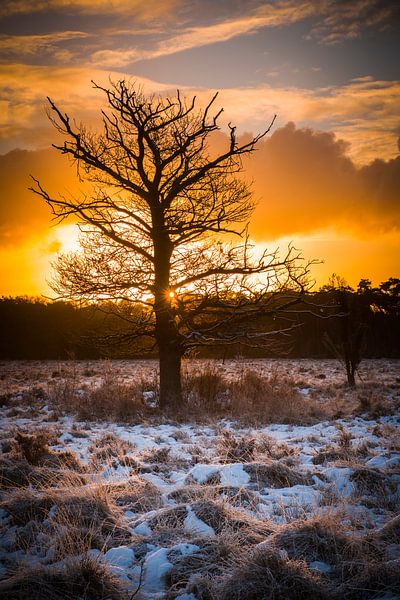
(167, 335)
(170, 355)
(170, 376)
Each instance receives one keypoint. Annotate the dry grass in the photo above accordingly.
(222, 517)
(170, 518)
(210, 391)
(390, 532)
(169, 523)
(375, 489)
(135, 494)
(368, 480)
(109, 449)
(24, 505)
(235, 496)
(344, 449)
(233, 448)
(374, 581)
(267, 574)
(252, 398)
(374, 399)
(61, 509)
(157, 455)
(321, 538)
(206, 389)
(83, 578)
(274, 398)
(194, 573)
(86, 513)
(247, 448)
(275, 474)
(19, 473)
(111, 399)
(34, 449)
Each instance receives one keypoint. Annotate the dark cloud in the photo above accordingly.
(346, 19)
(304, 182)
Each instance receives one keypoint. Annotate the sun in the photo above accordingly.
(68, 236)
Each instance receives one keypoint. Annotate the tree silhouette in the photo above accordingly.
(159, 226)
(349, 334)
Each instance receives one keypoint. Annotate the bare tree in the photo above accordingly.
(159, 226)
(349, 334)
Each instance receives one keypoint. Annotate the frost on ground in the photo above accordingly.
(222, 508)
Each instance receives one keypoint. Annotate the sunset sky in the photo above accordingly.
(327, 178)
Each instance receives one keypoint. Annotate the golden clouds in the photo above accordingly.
(308, 190)
(305, 182)
(31, 44)
(141, 10)
(28, 240)
(23, 92)
(22, 215)
(363, 112)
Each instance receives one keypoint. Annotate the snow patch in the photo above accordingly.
(142, 529)
(234, 475)
(193, 524)
(318, 565)
(156, 567)
(202, 473)
(121, 557)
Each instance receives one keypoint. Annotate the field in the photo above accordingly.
(275, 481)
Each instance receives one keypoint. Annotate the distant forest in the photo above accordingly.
(33, 328)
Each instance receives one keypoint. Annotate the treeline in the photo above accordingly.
(366, 319)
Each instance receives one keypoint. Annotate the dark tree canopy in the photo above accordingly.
(165, 227)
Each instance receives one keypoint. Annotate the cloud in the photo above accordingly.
(267, 15)
(23, 92)
(163, 28)
(306, 182)
(116, 58)
(347, 19)
(178, 26)
(364, 111)
(141, 10)
(308, 189)
(219, 31)
(33, 44)
(23, 215)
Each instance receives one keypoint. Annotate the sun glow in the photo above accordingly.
(68, 237)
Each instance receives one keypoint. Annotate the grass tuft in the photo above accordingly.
(83, 578)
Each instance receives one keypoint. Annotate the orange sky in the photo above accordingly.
(328, 176)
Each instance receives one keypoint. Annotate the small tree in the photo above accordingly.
(350, 327)
(153, 228)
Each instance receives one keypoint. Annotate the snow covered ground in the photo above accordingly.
(185, 510)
